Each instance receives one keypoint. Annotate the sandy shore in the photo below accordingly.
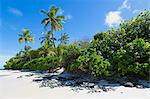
(16, 85)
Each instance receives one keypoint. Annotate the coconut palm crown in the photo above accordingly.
(25, 36)
(53, 18)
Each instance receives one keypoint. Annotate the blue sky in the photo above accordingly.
(86, 17)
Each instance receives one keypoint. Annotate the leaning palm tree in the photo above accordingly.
(53, 19)
(64, 39)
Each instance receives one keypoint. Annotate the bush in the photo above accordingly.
(14, 63)
(43, 63)
(134, 59)
(109, 42)
(71, 53)
(91, 62)
(137, 27)
(127, 48)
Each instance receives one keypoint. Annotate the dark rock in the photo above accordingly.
(128, 84)
(37, 80)
(91, 85)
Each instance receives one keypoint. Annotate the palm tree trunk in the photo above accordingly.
(53, 40)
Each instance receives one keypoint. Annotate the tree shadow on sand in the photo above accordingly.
(76, 82)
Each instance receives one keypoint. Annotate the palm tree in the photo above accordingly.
(47, 39)
(47, 42)
(64, 39)
(27, 38)
(53, 19)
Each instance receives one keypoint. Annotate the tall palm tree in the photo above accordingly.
(64, 39)
(53, 19)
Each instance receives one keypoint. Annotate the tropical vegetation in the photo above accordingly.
(122, 51)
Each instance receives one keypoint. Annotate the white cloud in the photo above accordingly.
(113, 18)
(15, 11)
(125, 5)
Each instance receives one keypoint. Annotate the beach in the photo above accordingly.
(20, 85)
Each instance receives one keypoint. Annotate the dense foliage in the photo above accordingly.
(123, 51)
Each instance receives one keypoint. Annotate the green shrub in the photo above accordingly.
(43, 63)
(137, 27)
(134, 59)
(71, 53)
(91, 62)
(14, 63)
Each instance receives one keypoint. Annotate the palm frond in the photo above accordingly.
(60, 26)
(61, 18)
(20, 40)
(20, 35)
(42, 42)
(46, 24)
(44, 20)
(41, 38)
(44, 12)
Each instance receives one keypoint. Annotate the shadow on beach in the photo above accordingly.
(77, 83)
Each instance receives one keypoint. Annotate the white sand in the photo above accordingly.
(12, 87)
